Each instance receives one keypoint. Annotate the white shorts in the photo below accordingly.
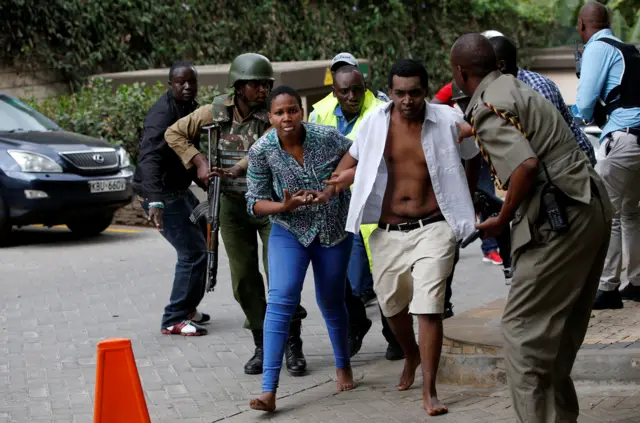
(411, 268)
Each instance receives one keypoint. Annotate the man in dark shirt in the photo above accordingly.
(162, 183)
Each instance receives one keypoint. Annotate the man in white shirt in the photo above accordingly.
(411, 181)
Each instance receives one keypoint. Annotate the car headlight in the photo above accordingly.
(34, 162)
(123, 156)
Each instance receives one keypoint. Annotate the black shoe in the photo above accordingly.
(394, 352)
(607, 300)
(448, 312)
(630, 292)
(356, 335)
(254, 365)
(296, 363)
(368, 298)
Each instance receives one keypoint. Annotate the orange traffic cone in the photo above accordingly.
(119, 396)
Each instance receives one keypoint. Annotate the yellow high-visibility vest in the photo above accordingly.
(324, 111)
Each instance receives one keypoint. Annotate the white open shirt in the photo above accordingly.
(442, 152)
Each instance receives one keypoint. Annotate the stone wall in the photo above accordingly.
(39, 83)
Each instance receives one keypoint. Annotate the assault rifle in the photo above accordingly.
(210, 210)
(488, 206)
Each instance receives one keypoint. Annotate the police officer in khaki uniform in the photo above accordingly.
(556, 271)
(243, 118)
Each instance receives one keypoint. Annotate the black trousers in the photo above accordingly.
(358, 315)
(448, 293)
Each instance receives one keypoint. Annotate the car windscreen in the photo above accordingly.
(15, 116)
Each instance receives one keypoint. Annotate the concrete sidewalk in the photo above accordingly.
(60, 296)
(376, 400)
(472, 351)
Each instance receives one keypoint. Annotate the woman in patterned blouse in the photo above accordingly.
(287, 170)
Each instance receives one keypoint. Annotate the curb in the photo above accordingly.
(472, 351)
(615, 365)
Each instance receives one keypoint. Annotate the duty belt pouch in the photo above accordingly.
(553, 205)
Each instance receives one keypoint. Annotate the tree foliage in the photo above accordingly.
(82, 37)
(625, 19)
(115, 115)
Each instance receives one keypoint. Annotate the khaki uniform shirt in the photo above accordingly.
(236, 136)
(548, 138)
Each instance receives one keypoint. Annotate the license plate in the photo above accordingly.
(107, 185)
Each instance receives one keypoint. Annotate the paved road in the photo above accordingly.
(61, 295)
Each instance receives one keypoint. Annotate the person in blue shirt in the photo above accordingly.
(607, 64)
(286, 177)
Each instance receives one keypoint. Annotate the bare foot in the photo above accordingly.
(409, 372)
(433, 406)
(265, 402)
(345, 379)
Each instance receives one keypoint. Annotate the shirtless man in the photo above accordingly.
(420, 198)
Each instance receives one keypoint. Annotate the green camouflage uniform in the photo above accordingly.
(237, 228)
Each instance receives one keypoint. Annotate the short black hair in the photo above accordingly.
(280, 90)
(407, 68)
(505, 50)
(179, 65)
(595, 14)
(475, 53)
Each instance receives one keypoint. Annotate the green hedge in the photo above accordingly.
(97, 110)
(78, 38)
(82, 37)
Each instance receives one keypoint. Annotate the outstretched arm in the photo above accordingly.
(520, 183)
(345, 173)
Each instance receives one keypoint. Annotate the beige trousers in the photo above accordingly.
(620, 171)
(411, 268)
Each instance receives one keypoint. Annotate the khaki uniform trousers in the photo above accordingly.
(548, 310)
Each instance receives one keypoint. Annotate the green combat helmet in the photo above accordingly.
(250, 66)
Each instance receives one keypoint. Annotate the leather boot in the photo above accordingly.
(296, 363)
(254, 365)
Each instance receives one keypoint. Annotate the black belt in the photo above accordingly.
(409, 226)
(634, 131)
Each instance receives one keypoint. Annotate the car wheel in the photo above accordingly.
(5, 224)
(91, 225)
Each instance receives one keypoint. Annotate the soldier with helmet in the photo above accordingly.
(242, 118)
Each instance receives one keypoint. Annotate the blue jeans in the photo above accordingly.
(488, 245)
(190, 244)
(288, 263)
(359, 271)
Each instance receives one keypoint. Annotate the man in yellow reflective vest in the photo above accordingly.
(344, 109)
